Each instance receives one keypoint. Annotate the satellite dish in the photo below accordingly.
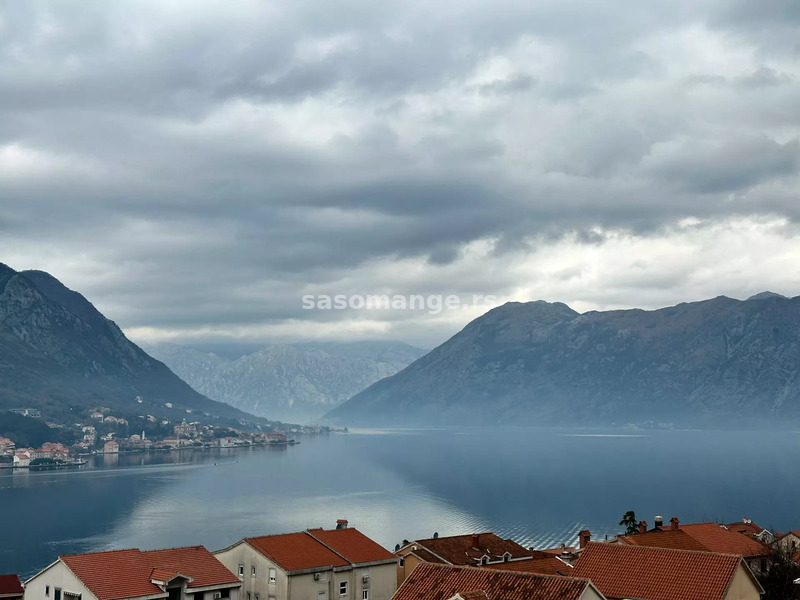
(435, 535)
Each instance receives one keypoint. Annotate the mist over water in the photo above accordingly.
(539, 487)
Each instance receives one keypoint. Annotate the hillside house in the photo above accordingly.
(467, 550)
(190, 573)
(317, 564)
(431, 581)
(621, 571)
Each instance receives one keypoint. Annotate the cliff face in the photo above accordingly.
(716, 362)
(57, 351)
(294, 382)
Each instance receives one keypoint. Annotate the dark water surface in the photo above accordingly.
(539, 487)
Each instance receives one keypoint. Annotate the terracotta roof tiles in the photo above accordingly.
(621, 571)
(296, 551)
(676, 540)
(131, 573)
(724, 541)
(441, 582)
(544, 565)
(468, 549)
(133, 570)
(193, 561)
(352, 545)
(10, 585)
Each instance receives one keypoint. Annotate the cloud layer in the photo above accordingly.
(196, 167)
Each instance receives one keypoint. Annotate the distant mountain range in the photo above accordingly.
(719, 362)
(293, 382)
(59, 354)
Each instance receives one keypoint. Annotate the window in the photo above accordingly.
(57, 594)
(273, 575)
(253, 571)
(47, 591)
(258, 597)
(241, 570)
(343, 588)
(248, 596)
(364, 594)
(402, 562)
(320, 595)
(485, 560)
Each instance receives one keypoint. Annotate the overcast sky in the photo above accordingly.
(195, 168)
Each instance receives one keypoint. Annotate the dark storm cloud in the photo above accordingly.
(203, 164)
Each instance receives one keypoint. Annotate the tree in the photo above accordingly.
(783, 571)
(630, 523)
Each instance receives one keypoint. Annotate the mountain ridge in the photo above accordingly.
(58, 352)
(544, 363)
(298, 381)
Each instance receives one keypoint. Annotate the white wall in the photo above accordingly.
(56, 576)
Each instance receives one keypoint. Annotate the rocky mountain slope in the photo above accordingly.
(59, 354)
(295, 382)
(718, 362)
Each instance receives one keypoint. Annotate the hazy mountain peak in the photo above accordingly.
(295, 382)
(533, 363)
(57, 350)
(765, 295)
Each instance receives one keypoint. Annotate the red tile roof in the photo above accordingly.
(676, 540)
(296, 551)
(352, 545)
(10, 585)
(718, 539)
(544, 565)
(746, 527)
(128, 573)
(621, 571)
(462, 550)
(112, 575)
(193, 561)
(441, 582)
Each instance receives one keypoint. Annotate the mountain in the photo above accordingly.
(59, 354)
(296, 382)
(719, 362)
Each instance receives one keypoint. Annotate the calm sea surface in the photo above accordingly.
(538, 487)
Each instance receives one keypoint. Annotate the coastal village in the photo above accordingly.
(101, 432)
(668, 561)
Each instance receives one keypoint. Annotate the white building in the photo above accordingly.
(190, 573)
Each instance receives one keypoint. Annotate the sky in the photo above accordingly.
(196, 168)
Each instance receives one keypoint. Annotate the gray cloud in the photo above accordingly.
(199, 166)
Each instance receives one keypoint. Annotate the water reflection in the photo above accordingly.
(539, 487)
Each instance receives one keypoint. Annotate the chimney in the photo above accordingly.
(658, 521)
(642, 526)
(584, 537)
(475, 538)
(341, 523)
(674, 522)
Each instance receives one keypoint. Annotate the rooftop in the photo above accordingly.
(469, 549)
(441, 582)
(717, 538)
(296, 551)
(544, 565)
(10, 585)
(675, 540)
(621, 571)
(352, 545)
(134, 570)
